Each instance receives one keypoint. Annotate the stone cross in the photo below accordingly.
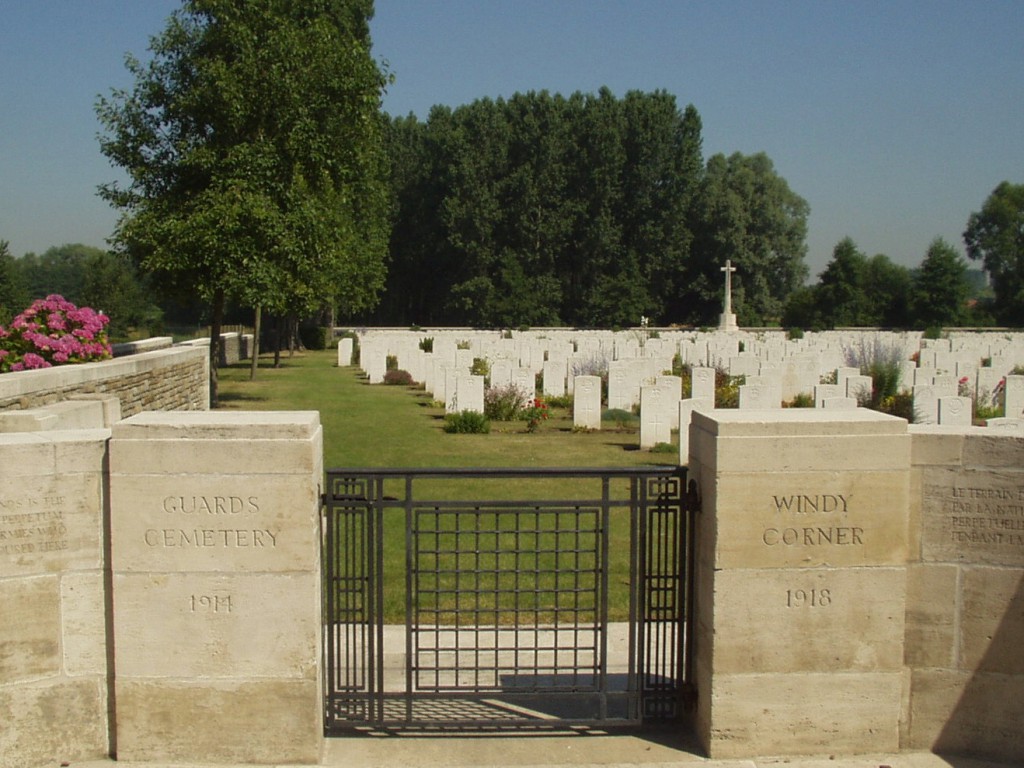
(728, 269)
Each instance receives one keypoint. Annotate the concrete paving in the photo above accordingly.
(584, 751)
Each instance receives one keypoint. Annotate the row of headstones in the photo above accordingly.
(778, 377)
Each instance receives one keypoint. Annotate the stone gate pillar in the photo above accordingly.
(800, 580)
(216, 586)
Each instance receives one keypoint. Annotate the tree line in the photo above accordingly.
(263, 174)
(586, 210)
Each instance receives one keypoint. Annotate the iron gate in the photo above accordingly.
(494, 598)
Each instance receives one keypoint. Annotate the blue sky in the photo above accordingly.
(894, 120)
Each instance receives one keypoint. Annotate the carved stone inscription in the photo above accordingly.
(30, 524)
(812, 520)
(988, 516)
(225, 522)
(975, 517)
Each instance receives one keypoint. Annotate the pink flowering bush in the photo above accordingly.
(51, 332)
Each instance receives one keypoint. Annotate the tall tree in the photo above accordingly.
(887, 287)
(13, 295)
(746, 212)
(995, 236)
(252, 143)
(542, 209)
(841, 298)
(940, 287)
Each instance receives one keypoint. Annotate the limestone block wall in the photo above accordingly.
(965, 594)
(165, 380)
(215, 553)
(800, 580)
(54, 612)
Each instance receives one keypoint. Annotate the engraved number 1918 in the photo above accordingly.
(808, 598)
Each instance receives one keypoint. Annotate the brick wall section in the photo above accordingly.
(175, 379)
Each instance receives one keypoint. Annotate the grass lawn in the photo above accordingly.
(392, 426)
(401, 427)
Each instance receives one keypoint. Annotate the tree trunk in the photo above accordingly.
(278, 323)
(255, 342)
(216, 321)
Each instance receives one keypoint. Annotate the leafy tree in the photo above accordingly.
(995, 236)
(13, 295)
(111, 285)
(252, 143)
(91, 277)
(542, 209)
(59, 270)
(887, 288)
(746, 212)
(940, 289)
(842, 300)
(801, 309)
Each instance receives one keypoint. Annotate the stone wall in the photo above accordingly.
(859, 585)
(860, 588)
(174, 379)
(799, 581)
(54, 599)
(965, 602)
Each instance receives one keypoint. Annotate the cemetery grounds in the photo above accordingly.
(401, 427)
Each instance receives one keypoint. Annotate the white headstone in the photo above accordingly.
(759, 395)
(859, 388)
(586, 412)
(470, 392)
(655, 419)
(824, 392)
(926, 405)
(955, 411)
(623, 385)
(501, 373)
(838, 403)
(702, 384)
(554, 377)
(525, 381)
(686, 409)
(1014, 397)
(345, 348)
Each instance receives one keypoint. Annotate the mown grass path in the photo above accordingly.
(400, 427)
(384, 426)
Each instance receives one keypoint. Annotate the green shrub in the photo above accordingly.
(664, 448)
(727, 389)
(901, 404)
(398, 377)
(390, 363)
(355, 344)
(620, 418)
(802, 400)
(881, 362)
(795, 333)
(427, 344)
(561, 401)
(314, 336)
(480, 367)
(504, 403)
(466, 423)
(935, 332)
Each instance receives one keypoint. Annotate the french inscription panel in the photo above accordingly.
(973, 516)
(49, 524)
(811, 519)
(188, 523)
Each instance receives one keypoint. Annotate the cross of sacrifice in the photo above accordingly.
(728, 269)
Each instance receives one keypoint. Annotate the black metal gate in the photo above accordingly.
(496, 598)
